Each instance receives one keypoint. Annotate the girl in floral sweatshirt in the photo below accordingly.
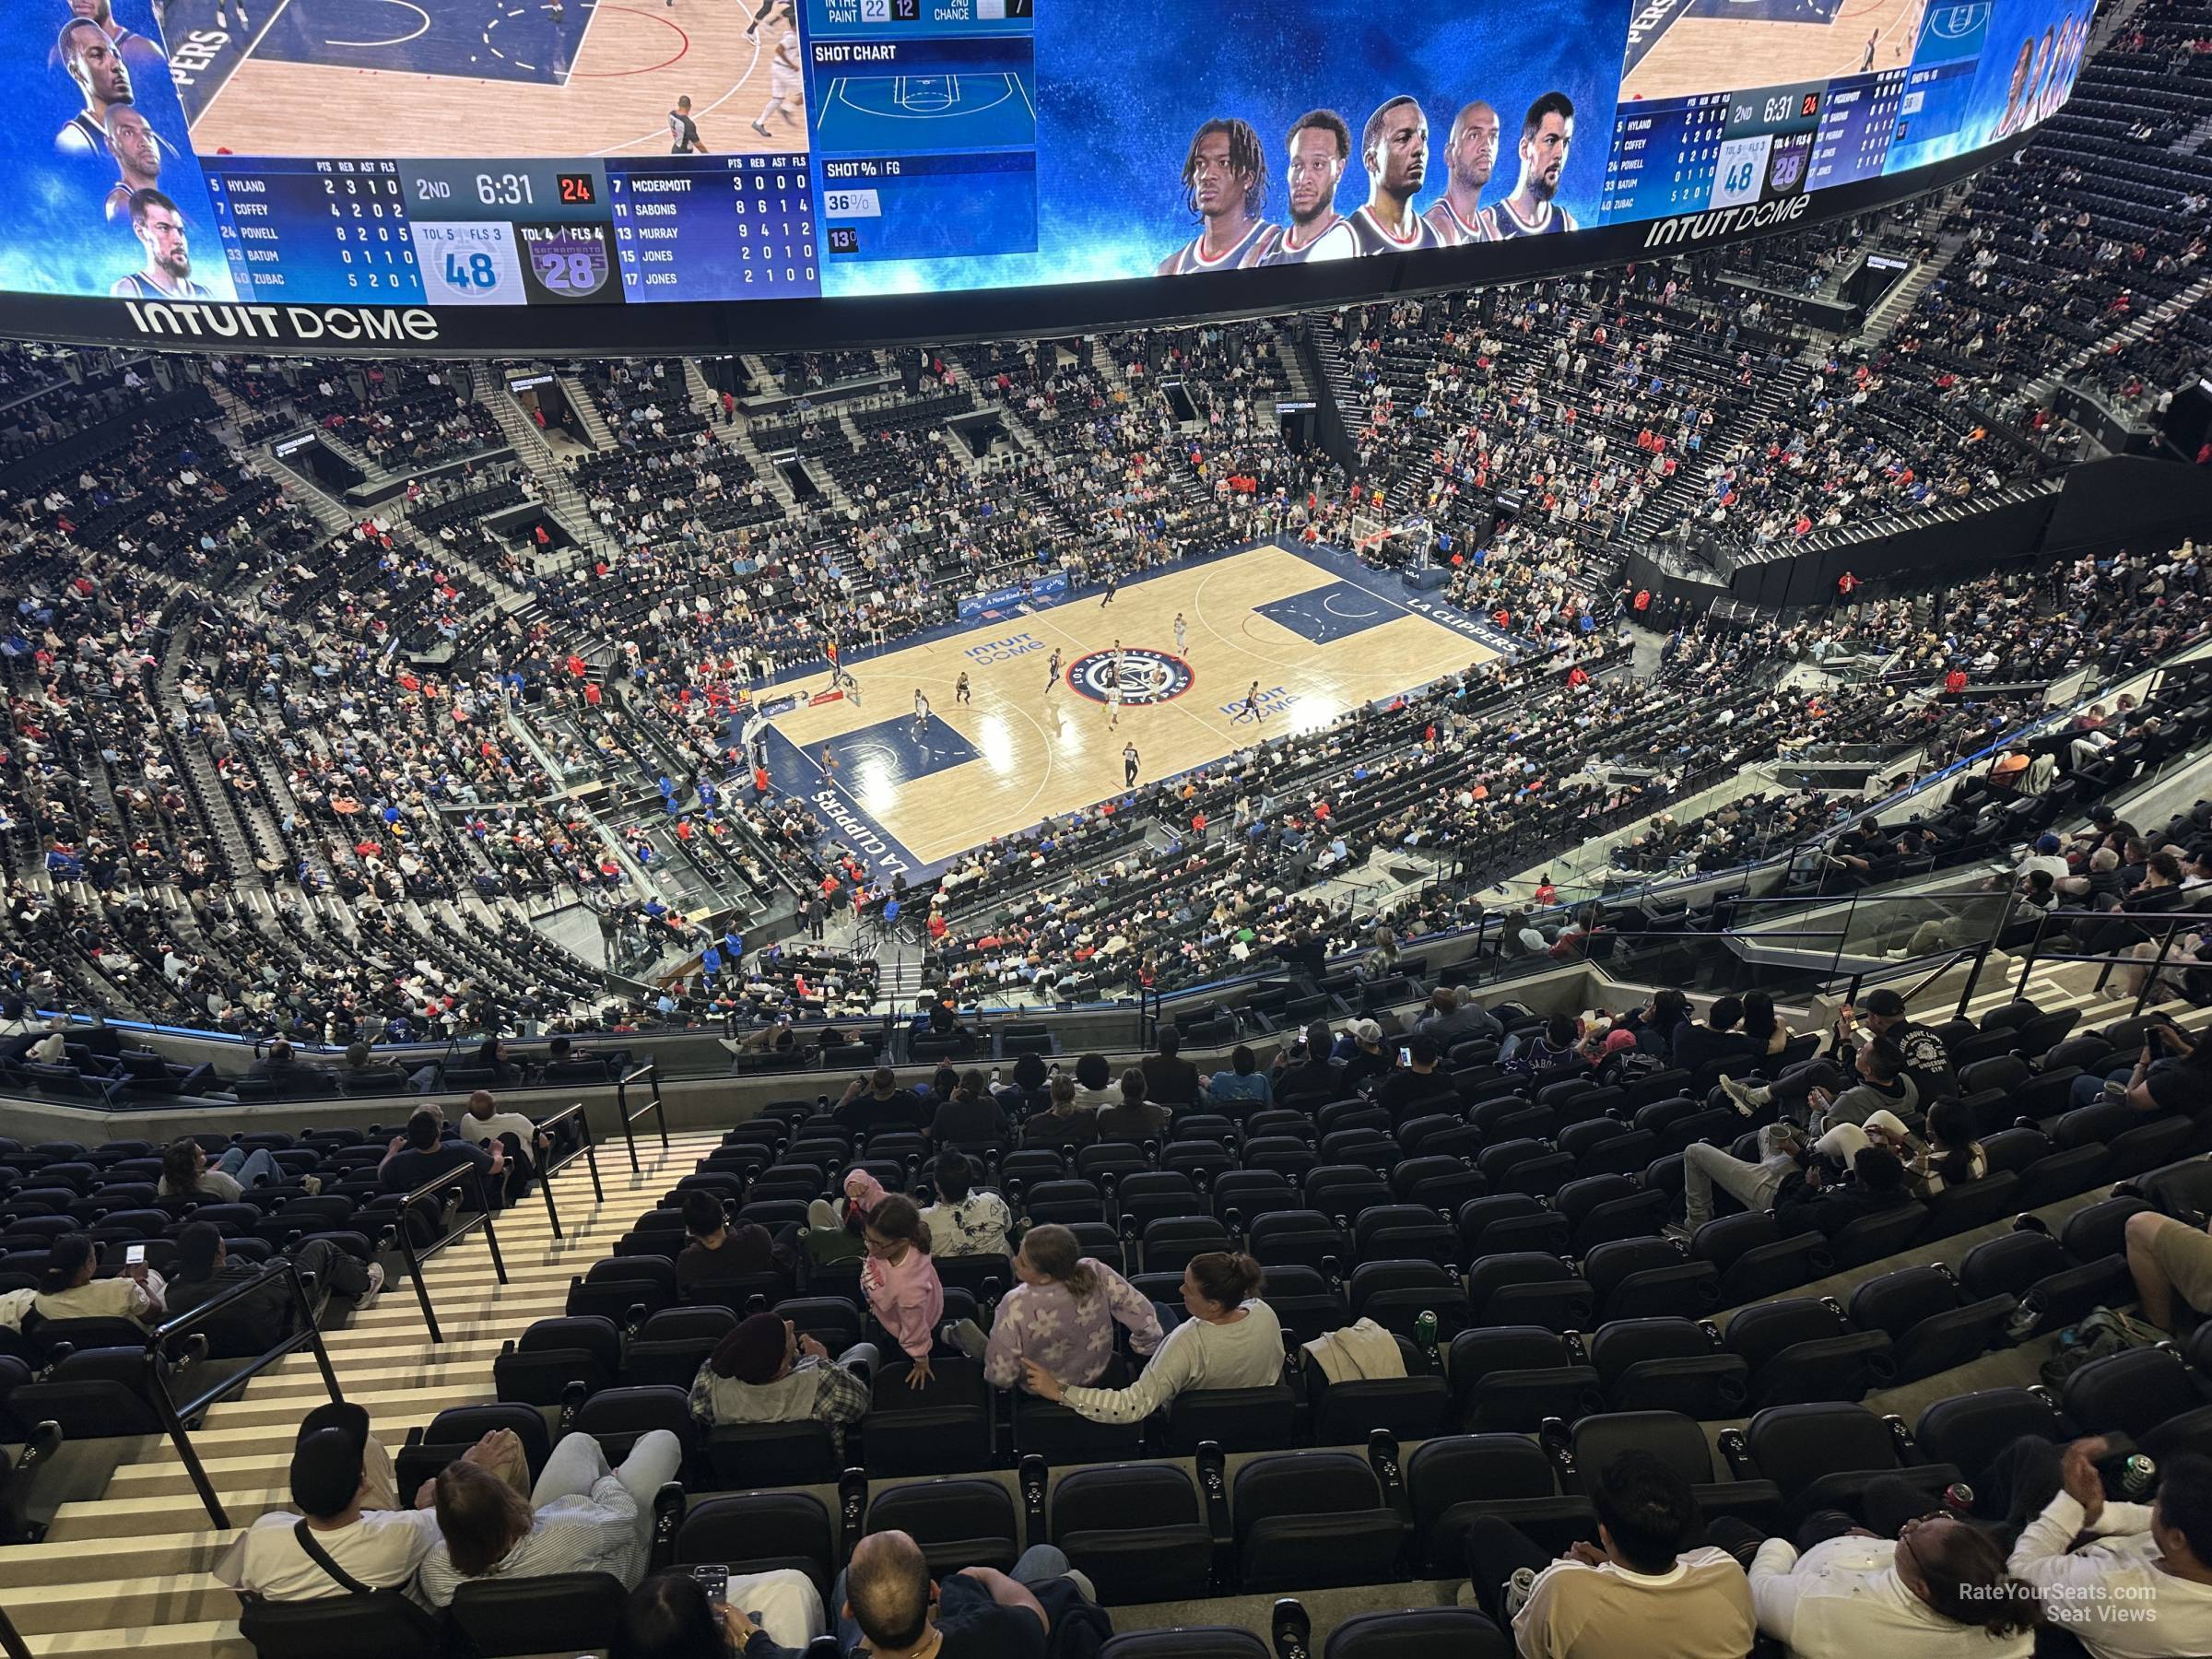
(902, 1281)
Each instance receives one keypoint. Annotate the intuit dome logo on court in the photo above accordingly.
(1147, 675)
(1726, 221)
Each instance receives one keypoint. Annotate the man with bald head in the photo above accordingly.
(1470, 155)
(890, 1605)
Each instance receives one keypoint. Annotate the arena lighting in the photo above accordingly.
(867, 171)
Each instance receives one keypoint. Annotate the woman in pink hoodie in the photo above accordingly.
(902, 1281)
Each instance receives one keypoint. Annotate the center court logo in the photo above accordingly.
(1147, 675)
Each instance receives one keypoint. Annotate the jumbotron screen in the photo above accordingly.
(552, 171)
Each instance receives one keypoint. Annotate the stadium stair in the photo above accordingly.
(128, 1572)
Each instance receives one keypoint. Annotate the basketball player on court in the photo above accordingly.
(1470, 156)
(1115, 657)
(1129, 764)
(1224, 185)
(1547, 133)
(783, 70)
(1113, 580)
(1395, 146)
(97, 67)
(960, 693)
(1320, 146)
(159, 229)
(921, 712)
(1867, 57)
(1113, 703)
(1052, 671)
(1252, 707)
(683, 132)
(1182, 636)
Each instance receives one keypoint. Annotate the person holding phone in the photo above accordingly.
(68, 1291)
(673, 1616)
(1417, 1083)
(2170, 1073)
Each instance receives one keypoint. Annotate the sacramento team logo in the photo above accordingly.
(1147, 675)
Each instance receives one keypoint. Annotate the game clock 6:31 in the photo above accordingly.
(505, 189)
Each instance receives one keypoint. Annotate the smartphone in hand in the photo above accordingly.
(715, 1581)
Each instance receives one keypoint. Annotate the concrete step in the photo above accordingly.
(30, 1566)
(202, 1639)
(157, 1602)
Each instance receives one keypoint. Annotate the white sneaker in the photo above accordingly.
(376, 1285)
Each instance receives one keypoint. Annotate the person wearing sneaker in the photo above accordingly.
(1752, 1185)
(1821, 1094)
(1640, 1589)
(205, 1271)
(187, 1173)
(1061, 1314)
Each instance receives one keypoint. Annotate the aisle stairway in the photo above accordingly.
(127, 1572)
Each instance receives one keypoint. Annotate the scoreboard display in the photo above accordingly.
(589, 174)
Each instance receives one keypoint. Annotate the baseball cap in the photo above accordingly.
(2047, 842)
(326, 1472)
(1883, 1004)
(1367, 1030)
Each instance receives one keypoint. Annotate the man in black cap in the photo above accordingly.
(288, 1557)
(764, 1372)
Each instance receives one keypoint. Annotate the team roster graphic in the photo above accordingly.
(544, 154)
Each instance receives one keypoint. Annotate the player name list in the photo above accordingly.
(714, 227)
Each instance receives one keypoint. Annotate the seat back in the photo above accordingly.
(957, 1523)
(340, 1626)
(1136, 1530)
(1421, 1633)
(762, 1531)
(556, 1613)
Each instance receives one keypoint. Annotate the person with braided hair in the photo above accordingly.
(1224, 187)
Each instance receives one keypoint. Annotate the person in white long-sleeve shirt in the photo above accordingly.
(1230, 1340)
(1940, 1591)
(2141, 1588)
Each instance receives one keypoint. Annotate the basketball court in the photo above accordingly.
(1319, 632)
(1698, 46)
(475, 77)
(894, 112)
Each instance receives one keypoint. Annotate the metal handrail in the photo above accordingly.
(173, 1416)
(11, 1644)
(2177, 921)
(587, 1150)
(651, 1072)
(457, 1176)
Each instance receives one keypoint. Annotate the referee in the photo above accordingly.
(1129, 764)
(683, 132)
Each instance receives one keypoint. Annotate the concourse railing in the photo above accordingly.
(464, 1177)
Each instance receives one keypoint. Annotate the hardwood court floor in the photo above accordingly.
(604, 90)
(1709, 54)
(1338, 637)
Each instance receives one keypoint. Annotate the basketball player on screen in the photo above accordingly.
(782, 71)
(1470, 156)
(1394, 147)
(2017, 112)
(138, 153)
(160, 231)
(1547, 134)
(1320, 146)
(135, 48)
(97, 67)
(1224, 185)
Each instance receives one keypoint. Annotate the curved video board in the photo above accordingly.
(510, 175)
